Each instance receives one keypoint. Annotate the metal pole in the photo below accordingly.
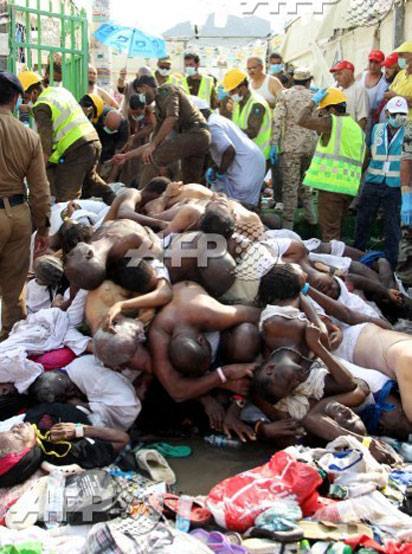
(130, 47)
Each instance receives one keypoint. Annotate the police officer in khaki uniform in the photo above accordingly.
(293, 147)
(181, 133)
(21, 157)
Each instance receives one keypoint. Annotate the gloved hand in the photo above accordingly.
(210, 175)
(273, 156)
(320, 95)
(406, 210)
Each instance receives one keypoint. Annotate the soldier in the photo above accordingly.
(21, 158)
(198, 84)
(293, 147)
(178, 121)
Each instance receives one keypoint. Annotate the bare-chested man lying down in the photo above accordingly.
(131, 203)
(365, 340)
(181, 352)
(189, 216)
(145, 288)
(87, 264)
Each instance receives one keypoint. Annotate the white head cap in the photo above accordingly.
(397, 104)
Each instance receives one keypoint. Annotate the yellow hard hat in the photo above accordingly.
(334, 96)
(29, 78)
(98, 104)
(405, 48)
(233, 78)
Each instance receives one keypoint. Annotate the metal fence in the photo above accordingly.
(55, 39)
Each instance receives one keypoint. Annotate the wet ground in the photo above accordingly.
(207, 465)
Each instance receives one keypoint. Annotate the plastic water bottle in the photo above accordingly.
(54, 505)
(220, 441)
(184, 508)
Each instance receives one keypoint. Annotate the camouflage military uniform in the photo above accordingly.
(296, 146)
(404, 269)
(189, 141)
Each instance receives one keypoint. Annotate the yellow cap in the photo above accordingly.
(29, 78)
(233, 78)
(334, 96)
(98, 104)
(405, 48)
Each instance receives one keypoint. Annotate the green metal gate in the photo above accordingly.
(52, 37)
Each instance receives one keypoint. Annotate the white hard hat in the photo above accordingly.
(397, 104)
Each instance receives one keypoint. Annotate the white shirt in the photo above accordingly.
(357, 103)
(112, 398)
(243, 179)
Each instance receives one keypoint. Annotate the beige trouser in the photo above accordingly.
(15, 234)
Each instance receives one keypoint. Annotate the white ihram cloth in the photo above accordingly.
(112, 398)
(41, 332)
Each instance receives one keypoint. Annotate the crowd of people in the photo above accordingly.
(143, 284)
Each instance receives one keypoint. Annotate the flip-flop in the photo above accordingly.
(156, 466)
(169, 451)
(218, 542)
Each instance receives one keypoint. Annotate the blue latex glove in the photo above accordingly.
(273, 156)
(406, 210)
(210, 175)
(320, 95)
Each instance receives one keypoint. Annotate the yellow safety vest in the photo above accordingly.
(205, 89)
(69, 121)
(241, 118)
(175, 79)
(337, 167)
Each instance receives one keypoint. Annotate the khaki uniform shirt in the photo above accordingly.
(21, 156)
(171, 101)
(286, 133)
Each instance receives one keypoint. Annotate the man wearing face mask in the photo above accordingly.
(336, 166)
(21, 158)
(196, 84)
(267, 86)
(181, 133)
(250, 112)
(113, 131)
(381, 189)
(71, 146)
(402, 85)
(277, 69)
(163, 73)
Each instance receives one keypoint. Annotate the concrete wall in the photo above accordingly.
(302, 47)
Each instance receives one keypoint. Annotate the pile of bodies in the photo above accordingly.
(177, 304)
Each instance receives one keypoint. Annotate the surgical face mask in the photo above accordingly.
(29, 104)
(164, 72)
(276, 68)
(138, 117)
(237, 97)
(402, 63)
(190, 71)
(142, 97)
(110, 131)
(397, 121)
(18, 103)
